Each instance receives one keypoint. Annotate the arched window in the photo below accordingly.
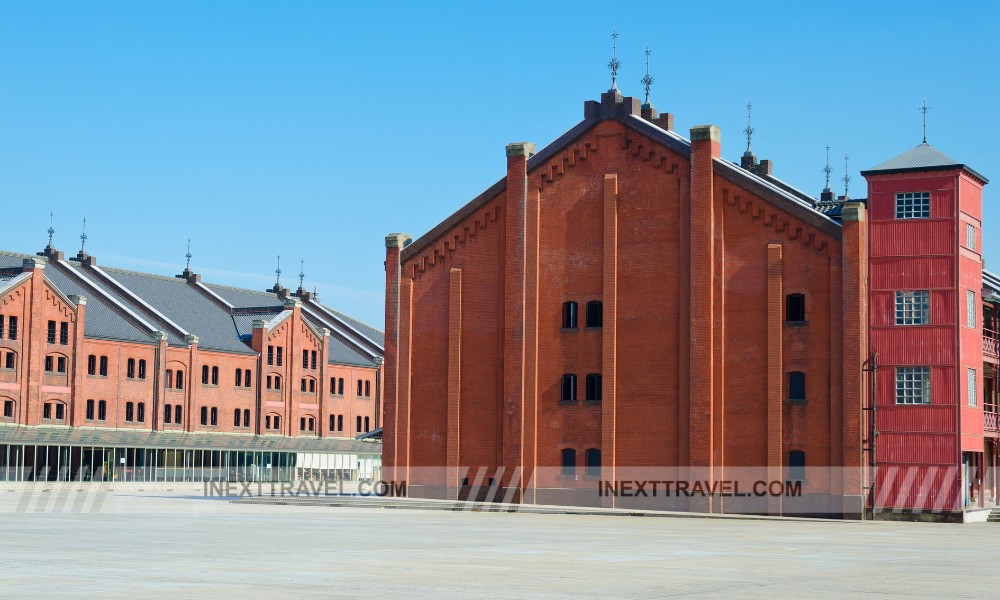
(215, 375)
(568, 388)
(129, 412)
(593, 462)
(215, 416)
(797, 386)
(360, 388)
(569, 462)
(239, 377)
(368, 388)
(340, 386)
(142, 368)
(359, 424)
(54, 411)
(333, 385)
(204, 374)
(102, 410)
(92, 365)
(796, 465)
(340, 422)
(236, 416)
(8, 405)
(367, 425)
(246, 378)
(204, 415)
(170, 379)
(595, 313)
(333, 422)
(594, 385)
(277, 382)
(140, 412)
(167, 413)
(569, 315)
(130, 368)
(795, 308)
(104, 366)
(89, 415)
(180, 380)
(177, 414)
(246, 417)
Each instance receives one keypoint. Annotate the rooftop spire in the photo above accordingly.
(51, 228)
(847, 178)
(277, 274)
(302, 272)
(647, 81)
(924, 110)
(83, 238)
(749, 131)
(188, 256)
(614, 65)
(827, 170)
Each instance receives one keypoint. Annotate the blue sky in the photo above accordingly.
(312, 129)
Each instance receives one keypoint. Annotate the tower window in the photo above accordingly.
(913, 205)
(797, 386)
(594, 385)
(569, 315)
(595, 313)
(913, 308)
(569, 462)
(796, 465)
(568, 388)
(795, 308)
(913, 385)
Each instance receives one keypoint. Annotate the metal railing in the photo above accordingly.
(991, 421)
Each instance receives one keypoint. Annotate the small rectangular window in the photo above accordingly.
(92, 365)
(215, 375)
(971, 374)
(102, 410)
(12, 328)
(215, 416)
(278, 352)
(2, 330)
(971, 308)
(305, 359)
(129, 410)
(913, 385)
(236, 418)
(9, 361)
(142, 368)
(312, 360)
(270, 355)
(569, 315)
(104, 366)
(204, 415)
(140, 412)
(47, 410)
(64, 333)
(61, 364)
(52, 332)
(246, 417)
(239, 377)
(246, 378)
(130, 368)
(60, 411)
(568, 388)
(48, 364)
(167, 413)
(970, 236)
(90, 410)
(913, 205)
(913, 308)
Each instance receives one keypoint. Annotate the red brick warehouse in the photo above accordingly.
(625, 302)
(114, 375)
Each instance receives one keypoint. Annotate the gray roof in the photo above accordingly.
(923, 157)
(83, 436)
(183, 305)
(372, 333)
(342, 354)
(243, 298)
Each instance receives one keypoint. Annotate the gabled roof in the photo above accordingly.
(922, 157)
(133, 306)
(770, 188)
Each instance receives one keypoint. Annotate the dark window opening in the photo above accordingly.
(215, 375)
(64, 333)
(593, 462)
(142, 368)
(595, 313)
(359, 424)
(568, 388)
(48, 364)
(104, 366)
(140, 412)
(796, 385)
(167, 413)
(52, 332)
(569, 462)
(90, 410)
(204, 415)
(102, 410)
(92, 365)
(569, 315)
(129, 412)
(594, 385)
(796, 465)
(61, 364)
(795, 308)
(130, 368)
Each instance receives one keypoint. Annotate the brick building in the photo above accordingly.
(109, 374)
(627, 306)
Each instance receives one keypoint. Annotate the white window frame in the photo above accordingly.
(970, 309)
(970, 236)
(913, 307)
(973, 393)
(913, 385)
(913, 205)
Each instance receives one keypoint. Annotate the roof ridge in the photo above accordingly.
(239, 289)
(347, 316)
(143, 274)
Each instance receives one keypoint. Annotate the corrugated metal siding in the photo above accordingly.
(908, 237)
(924, 345)
(916, 448)
(912, 273)
(930, 418)
(882, 195)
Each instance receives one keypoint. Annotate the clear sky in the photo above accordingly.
(312, 129)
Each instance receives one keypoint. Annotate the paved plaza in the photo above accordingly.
(139, 545)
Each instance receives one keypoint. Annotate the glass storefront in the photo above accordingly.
(19, 462)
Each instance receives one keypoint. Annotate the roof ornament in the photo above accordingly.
(316, 293)
(83, 238)
(827, 170)
(614, 65)
(924, 110)
(188, 256)
(647, 81)
(847, 178)
(748, 131)
(277, 274)
(302, 272)
(51, 229)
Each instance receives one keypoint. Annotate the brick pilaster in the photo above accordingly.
(775, 371)
(453, 442)
(609, 339)
(855, 350)
(394, 244)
